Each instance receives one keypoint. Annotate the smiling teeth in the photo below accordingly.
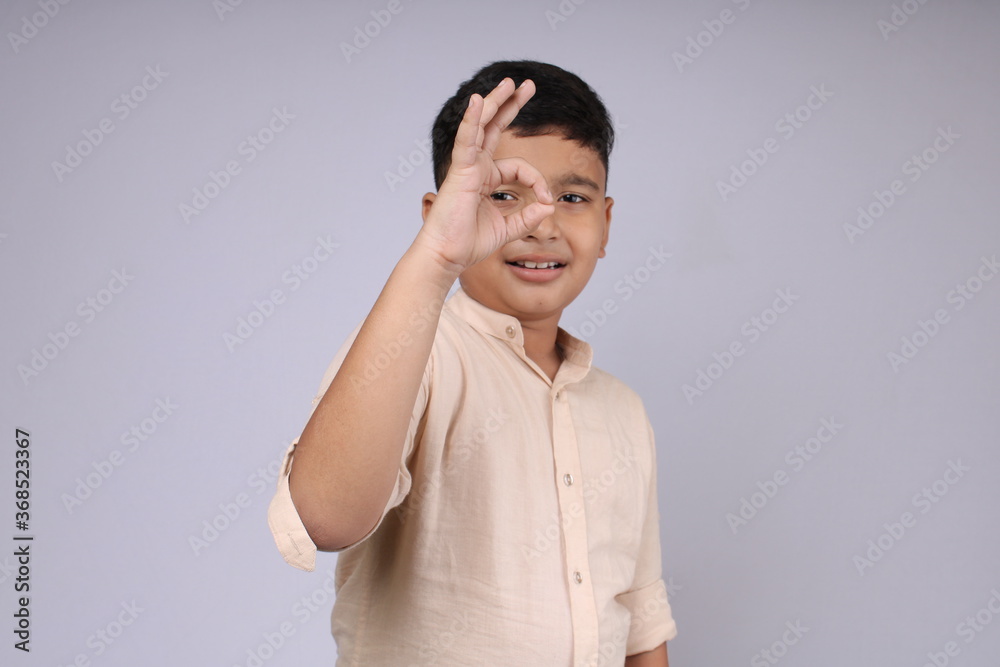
(537, 265)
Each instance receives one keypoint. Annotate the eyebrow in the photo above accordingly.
(573, 178)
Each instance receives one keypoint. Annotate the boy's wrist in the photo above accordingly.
(440, 270)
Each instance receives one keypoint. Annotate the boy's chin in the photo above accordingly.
(539, 299)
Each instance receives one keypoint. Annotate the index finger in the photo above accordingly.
(519, 170)
(506, 113)
(471, 133)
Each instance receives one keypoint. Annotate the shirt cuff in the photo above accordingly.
(652, 621)
(293, 541)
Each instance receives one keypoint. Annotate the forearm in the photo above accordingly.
(348, 455)
(655, 658)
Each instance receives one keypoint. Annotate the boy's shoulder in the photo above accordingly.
(615, 392)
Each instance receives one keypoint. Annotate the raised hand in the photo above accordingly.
(464, 226)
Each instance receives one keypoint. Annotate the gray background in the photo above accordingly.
(681, 130)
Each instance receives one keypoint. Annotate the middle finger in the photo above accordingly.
(506, 113)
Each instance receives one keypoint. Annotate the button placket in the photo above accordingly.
(576, 559)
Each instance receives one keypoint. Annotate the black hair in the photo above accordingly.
(563, 104)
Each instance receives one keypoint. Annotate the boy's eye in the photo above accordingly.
(569, 198)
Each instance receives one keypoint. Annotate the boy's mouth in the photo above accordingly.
(537, 268)
(536, 265)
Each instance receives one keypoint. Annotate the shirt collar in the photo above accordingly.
(578, 355)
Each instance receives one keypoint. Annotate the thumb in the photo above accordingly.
(527, 220)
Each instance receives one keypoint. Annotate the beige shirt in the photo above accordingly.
(523, 528)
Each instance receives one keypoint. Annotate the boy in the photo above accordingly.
(492, 494)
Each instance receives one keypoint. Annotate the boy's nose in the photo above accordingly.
(547, 230)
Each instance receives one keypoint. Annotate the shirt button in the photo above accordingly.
(510, 331)
(578, 577)
(568, 479)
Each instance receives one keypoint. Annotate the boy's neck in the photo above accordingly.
(539, 333)
(540, 345)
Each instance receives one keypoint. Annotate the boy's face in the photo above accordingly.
(574, 235)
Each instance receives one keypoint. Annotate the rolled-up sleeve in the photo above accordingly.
(652, 620)
(293, 541)
(290, 535)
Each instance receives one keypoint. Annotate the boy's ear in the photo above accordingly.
(425, 204)
(608, 203)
